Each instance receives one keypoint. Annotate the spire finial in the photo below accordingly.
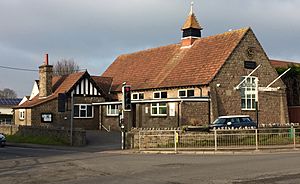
(192, 4)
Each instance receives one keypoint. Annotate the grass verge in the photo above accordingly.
(35, 140)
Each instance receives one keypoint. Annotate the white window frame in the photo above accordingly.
(181, 91)
(143, 96)
(83, 107)
(248, 93)
(109, 111)
(159, 94)
(22, 114)
(138, 96)
(157, 107)
(186, 92)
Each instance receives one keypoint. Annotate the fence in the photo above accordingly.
(249, 139)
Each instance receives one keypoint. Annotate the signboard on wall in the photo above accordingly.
(250, 64)
(171, 109)
(46, 117)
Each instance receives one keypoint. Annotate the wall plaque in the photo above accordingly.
(250, 64)
(46, 117)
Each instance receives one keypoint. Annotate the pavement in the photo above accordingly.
(117, 150)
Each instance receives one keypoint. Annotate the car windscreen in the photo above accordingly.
(220, 121)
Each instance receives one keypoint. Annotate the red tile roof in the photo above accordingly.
(103, 82)
(282, 64)
(173, 66)
(60, 84)
(63, 84)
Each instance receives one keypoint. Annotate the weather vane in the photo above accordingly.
(192, 4)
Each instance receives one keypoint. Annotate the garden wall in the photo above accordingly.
(79, 135)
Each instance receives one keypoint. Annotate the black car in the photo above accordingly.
(236, 121)
(2, 140)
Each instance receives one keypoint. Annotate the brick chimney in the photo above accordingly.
(45, 75)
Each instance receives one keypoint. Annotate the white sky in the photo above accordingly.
(95, 32)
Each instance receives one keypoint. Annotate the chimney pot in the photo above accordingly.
(46, 59)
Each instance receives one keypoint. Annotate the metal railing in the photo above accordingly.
(242, 139)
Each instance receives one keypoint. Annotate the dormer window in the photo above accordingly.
(186, 93)
(160, 94)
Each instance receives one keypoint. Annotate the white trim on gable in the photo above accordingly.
(86, 87)
(24, 99)
(35, 90)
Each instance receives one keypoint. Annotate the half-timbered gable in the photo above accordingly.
(57, 101)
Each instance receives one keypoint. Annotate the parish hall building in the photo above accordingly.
(188, 83)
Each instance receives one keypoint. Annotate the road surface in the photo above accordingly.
(36, 165)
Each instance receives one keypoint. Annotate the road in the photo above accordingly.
(36, 165)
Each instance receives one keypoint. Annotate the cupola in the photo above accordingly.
(191, 29)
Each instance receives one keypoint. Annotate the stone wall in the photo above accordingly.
(159, 136)
(79, 136)
(194, 113)
(9, 129)
(109, 122)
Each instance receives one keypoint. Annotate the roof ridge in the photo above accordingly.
(150, 49)
(245, 29)
(101, 76)
(178, 44)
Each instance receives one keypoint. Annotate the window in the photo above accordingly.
(156, 95)
(83, 111)
(112, 110)
(137, 96)
(22, 114)
(186, 93)
(159, 94)
(158, 109)
(182, 93)
(248, 93)
(190, 92)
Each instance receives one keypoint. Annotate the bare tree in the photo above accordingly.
(65, 67)
(8, 93)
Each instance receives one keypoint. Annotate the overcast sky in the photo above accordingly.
(95, 32)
